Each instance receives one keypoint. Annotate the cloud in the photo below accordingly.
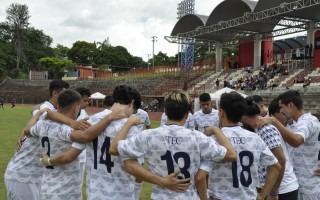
(129, 23)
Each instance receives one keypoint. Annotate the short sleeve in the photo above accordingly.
(301, 128)
(147, 122)
(65, 132)
(35, 130)
(207, 165)
(78, 146)
(133, 147)
(210, 149)
(266, 158)
(271, 136)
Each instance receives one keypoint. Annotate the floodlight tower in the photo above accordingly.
(185, 61)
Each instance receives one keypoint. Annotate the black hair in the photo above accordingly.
(257, 98)
(233, 104)
(68, 98)
(83, 91)
(177, 105)
(291, 96)
(204, 97)
(274, 106)
(124, 94)
(58, 86)
(108, 101)
(252, 108)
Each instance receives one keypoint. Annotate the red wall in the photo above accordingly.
(316, 52)
(266, 54)
(246, 53)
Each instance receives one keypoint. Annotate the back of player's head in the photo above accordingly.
(291, 96)
(177, 105)
(108, 101)
(204, 97)
(233, 104)
(68, 98)
(83, 91)
(257, 98)
(274, 106)
(252, 108)
(124, 94)
(58, 86)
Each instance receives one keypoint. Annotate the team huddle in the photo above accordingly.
(241, 151)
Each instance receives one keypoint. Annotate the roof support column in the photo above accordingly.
(257, 52)
(218, 48)
(310, 33)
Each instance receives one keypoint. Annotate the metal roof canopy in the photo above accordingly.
(235, 19)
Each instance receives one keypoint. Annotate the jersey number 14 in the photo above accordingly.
(104, 153)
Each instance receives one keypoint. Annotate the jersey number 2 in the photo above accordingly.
(104, 152)
(184, 170)
(245, 168)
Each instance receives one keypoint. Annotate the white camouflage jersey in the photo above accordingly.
(82, 115)
(203, 121)
(306, 158)
(58, 182)
(144, 118)
(106, 176)
(238, 180)
(271, 136)
(188, 124)
(25, 165)
(168, 148)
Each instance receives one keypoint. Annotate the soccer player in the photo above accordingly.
(207, 116)
(289, 186)
(108, 102)
(60, 182)
(263, 108)
(144, 117)
(85, 95)
(189, 122)
(24, 172)
(304, 137)
(238, 180)
(55, 87)
(171, 147)
(271, 136)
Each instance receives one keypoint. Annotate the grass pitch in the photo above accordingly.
(12, 121)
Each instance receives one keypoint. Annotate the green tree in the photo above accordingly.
(61, 52)
(18, 17)
(82, 52)
(37, 46)
(6, 50)
(54, 66)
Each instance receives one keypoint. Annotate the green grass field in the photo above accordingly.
(12, 122)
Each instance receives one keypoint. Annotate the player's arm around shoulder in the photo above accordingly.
(62, 158)
(122, 135)
(231, 154)
(33, 121)
(293, 139)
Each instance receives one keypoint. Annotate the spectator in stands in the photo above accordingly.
(307, 82)
(217, 83)
(263, 109)
(1, 102)
(108, 101)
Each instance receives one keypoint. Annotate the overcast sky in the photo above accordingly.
(129, 23)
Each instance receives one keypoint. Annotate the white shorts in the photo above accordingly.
(302, 196)
(21, 191)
